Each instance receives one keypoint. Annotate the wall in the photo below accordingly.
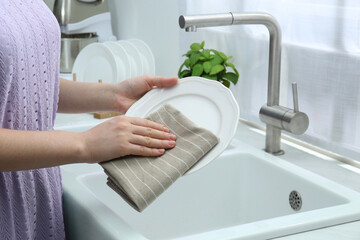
(156, 23)
(50, 3)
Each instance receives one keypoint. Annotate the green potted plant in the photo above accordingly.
(208, 63)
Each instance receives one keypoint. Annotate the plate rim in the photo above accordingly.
(138, 59)
(149, 54)
(230, 98)
(125, 58)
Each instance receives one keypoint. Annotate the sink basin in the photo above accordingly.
(244, 194)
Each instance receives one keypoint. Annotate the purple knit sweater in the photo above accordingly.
(30, 201)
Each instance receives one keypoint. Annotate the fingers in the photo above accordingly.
(137, 136)
(152, 143)
(156, 81)
(148, 124)
(153, 133)
(145, 151)
(151, 129)
(150, 138)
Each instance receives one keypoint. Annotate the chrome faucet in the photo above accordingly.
(276, 117)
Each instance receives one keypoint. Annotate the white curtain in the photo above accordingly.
(321, 52)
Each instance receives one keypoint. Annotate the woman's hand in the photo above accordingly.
(123, 136)
(131, 90)
(80, 97)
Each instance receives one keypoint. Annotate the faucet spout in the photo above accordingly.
(274, 50)
(192, 23)
(275, 117)
(206, 20)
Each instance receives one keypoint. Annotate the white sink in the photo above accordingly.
(244, 194)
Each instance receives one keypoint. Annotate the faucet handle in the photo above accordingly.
(295, 97)
(291, 120)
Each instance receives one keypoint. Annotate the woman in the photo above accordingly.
(30, 95)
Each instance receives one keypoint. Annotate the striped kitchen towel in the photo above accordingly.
(140, 180)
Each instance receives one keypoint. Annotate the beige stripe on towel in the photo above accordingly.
(140, 180)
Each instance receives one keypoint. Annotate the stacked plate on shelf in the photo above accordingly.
(114, 62)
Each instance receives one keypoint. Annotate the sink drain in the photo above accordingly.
(295, 200)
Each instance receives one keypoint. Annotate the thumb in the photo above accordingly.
(156, 81)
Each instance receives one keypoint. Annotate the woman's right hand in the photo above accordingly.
(121, 136)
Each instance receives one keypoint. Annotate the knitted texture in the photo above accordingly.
(30, 201)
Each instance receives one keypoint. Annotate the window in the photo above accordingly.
(321, 52)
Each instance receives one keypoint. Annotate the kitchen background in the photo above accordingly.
(321, 43)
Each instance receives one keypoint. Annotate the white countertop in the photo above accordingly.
(334, 170)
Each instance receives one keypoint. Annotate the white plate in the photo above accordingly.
(144, 49)
(94, 62)
(207, 103)
(124, 64)
(135, 54)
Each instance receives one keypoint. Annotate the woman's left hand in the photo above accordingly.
(131, 90)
